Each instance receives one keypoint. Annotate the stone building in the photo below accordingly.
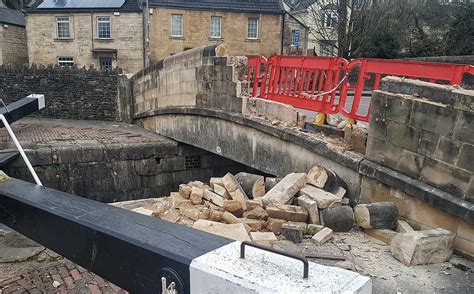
(247, 27)
(13, 47)
(99, 34)
(295, 36)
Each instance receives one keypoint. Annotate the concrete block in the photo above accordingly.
(235, 231)
(311, 206)
(287, 212)
(322, 198)
(447, 150)
(322, 236)
(285, 189)
(275, 225)
(339, 219)
(423, 247)
(466, 157)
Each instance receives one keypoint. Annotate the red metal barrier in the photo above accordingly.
(322, 83)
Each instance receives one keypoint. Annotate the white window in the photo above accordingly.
(216, 27)
(176, 25)
(103, 27)
(329, 18)
(63, 27)
(252, 32)
(326, 49)
(66, 61)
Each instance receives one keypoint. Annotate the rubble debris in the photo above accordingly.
(253, 185)
(293, 231)
(234, 189)
(271, 182)
(185, 191)
(423, 247)
(312, 229)
(318, 176)
(256, 213)
(340, 192)
(322, 236)
(311, 207)
(196, 195)
(144, 211)
(404, 227)
(384, 235)
(285, 189)
(213, 198)
(263, 238)
(171, 215)
(379, 215)
(254, 203)
(230, 218)
(232, 231)
(339, 219)
(221, 190)
(216, 181)
(254, 224)
(287, 212)
(323, 198)
(233, 206)
(275, 225)
(346, 265)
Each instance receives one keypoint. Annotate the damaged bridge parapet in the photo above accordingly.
(419, 149)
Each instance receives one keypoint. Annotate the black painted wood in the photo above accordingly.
(124, 247)
(19, 109)
(7, 157)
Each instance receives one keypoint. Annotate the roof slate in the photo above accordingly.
(257, 6)
(128, 6)
(11, 16)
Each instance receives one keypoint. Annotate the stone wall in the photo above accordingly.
(126, 38)
(424, 131)
(197, 32)
(13, 47)
(69, 93)
(194, 78)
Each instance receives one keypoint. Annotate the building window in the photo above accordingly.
(326, 49)
(66, 61)
(63, 27)
(329, 18)
(176, 25)
(216, 27)
(252, 32)
(105, 63)
(103, 27)
(295, 38)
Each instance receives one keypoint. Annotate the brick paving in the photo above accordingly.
(62, 276)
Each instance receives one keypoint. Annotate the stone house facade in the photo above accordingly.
(251, 27)
(99, 37)
(13, 46)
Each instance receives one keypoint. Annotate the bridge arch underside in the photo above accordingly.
(254, 142)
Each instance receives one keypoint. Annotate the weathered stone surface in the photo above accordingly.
(257, 213)
(379, 215)
(403, 227)
(384, 235)
(339, 219)
(275, 224)
(221, 190)
(313, 229)
(263, 238)
(196, 195)
(254, 203)
(230, 218)
(288, 212)
(232, 231)
(423, 247)
(311, 206)
(234, 189)
(185, 191)
(234, 207)
(214, 198)
(170, 216)
(292, 232)
(254, 224)
(317, 176)
(144, 211)
(196, 213)
(253, 185)
(322, 236)
(178, 201)
(339, 192)
(215, 215)
(214, 180)
(323, 199)
(285, 189)
(271, 182)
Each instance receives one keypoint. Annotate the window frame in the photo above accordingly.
(181, 28)
(331, 16)
(220, 27)
(109, 22)
(68, 22)
(257, 28)
(62, 63)
(101, 58)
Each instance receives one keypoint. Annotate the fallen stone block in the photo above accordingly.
(214, 198)
(199, 184)
(404, 227)
(311, 207)
(339, 219)
(254, 224)
(221, 190)
(384, 235)
(231, 231)
(144, 211)
(323, 198)
(214, 180)
(178, 201)
(263, 238)
(292, 232)
(196, 213)
(257, 213)
(318, 176)
(233, 206)
(322, 236)
(423, 247)
(275, 224)
(230, 218)
(253, 185)
(287, 212)
(185, 191)
(312, 229)
(285, 189)
(271, 182)
(254, 203)
(215, 215)
(234, 189)
(379, 215)
(196, 195)
(171, 216)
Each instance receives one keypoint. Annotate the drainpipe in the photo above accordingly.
(282, 32)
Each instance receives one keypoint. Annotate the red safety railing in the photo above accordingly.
(322, 84)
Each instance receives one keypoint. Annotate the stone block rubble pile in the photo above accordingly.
(299, 208)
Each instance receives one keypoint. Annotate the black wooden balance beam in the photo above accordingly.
(22, 107)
